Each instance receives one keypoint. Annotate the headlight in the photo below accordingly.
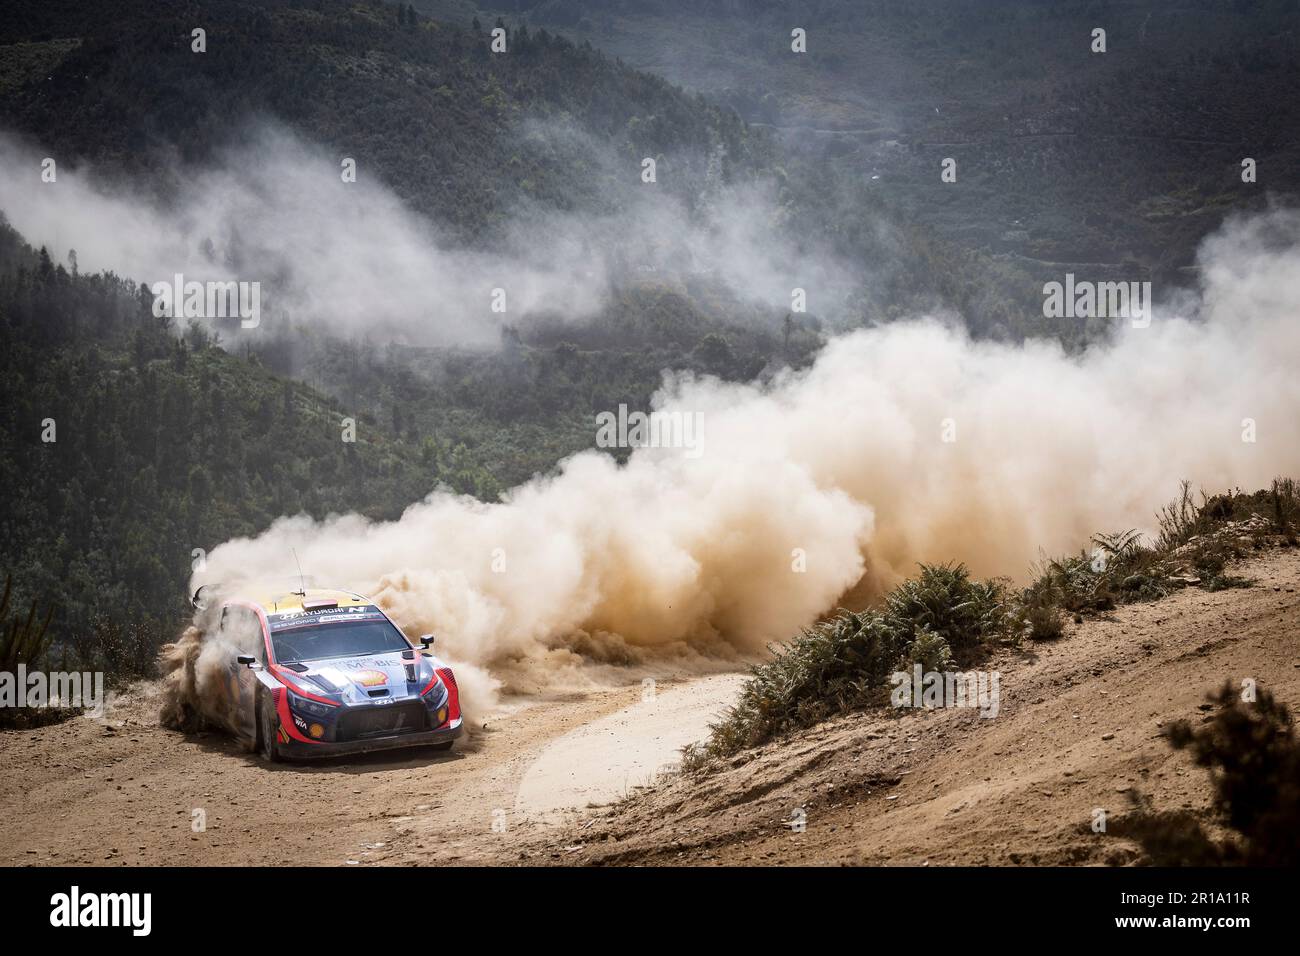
(305, 706)
(436, 692)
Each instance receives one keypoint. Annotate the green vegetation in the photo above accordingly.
(162, 443)
(944, 620)
(1065, 156)
(1194, 545)
(22, 641)
(938, 619)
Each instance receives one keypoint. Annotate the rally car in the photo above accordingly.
(326, 672)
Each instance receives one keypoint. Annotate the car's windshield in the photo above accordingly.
(310, 640)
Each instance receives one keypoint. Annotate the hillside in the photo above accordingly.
(477, 142)
(1065, 157)
(1079, 728)
(162, 443)
(423, 103)
(173, 439)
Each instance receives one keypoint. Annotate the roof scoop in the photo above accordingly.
(319, 604)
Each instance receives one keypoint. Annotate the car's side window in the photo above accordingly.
(242, 626)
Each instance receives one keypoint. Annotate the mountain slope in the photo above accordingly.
(128, 446)
(1064, 155)
(424, 104)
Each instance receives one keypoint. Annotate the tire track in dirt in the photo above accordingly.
(123, 790)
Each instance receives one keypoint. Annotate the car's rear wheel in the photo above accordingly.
(268, 727)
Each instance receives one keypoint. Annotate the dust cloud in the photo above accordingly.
(196, 670)
(834, 477)
(352, 259)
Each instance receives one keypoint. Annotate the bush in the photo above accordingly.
(25, 640)
(1042, 622)
(1286, 507)
(944, 600)
(937, 619)
(1253, 757)
(1251, 752)
(942, 618)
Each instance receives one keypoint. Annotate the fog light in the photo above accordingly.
(442, 716)
(317, 731)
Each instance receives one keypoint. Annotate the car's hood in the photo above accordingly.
(368, 677)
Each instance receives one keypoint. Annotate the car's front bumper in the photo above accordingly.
(296, 750)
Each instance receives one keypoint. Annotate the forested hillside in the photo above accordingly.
(466, 138)
(423, 102)
(128, 446)
(1065, 155)
(165, 442)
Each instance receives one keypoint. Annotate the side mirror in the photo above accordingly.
(426, 641)
(246, 659)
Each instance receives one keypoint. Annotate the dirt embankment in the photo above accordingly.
(1078, 730)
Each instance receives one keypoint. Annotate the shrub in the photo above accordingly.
(1286, 507)
(1253, 757)
(944, 600)
(1181, 519)
(943, 618)
(21, 640)
(1042, 622)
(939, 618)
(25, 641)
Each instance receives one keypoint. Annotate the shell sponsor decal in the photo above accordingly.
(370, 678)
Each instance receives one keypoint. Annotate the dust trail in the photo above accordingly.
(196, 687)
(844, 464)
(353, 258)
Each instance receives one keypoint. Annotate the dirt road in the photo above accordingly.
(123, 790)
(1078, 730)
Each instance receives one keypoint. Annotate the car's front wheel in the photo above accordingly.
(268, 728)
